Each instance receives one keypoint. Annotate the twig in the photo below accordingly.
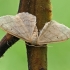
(37, 56)
(7, 41)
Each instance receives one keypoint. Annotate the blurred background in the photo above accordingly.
(58, 53)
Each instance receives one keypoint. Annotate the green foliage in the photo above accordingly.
(58, 54)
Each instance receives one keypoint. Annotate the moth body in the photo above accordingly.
(34, 36)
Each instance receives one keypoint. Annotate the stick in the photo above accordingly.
(37, 57)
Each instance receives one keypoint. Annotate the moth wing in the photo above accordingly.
(14, 26)
(53, 32)
(29, 21)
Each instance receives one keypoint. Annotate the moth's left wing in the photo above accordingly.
(53, 32)
(14, 26)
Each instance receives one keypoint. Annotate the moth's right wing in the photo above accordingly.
(53, 32)
(15, 26)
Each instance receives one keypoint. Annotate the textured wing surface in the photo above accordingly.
(29, 21)
(53, 32)
(15, 26)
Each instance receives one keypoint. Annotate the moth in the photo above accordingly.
(23, 25)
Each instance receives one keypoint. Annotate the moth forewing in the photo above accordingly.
(22, 25)
(29, 21)
(53, 32)
(13, 27)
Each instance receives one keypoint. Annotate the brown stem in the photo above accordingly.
(37, 56)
